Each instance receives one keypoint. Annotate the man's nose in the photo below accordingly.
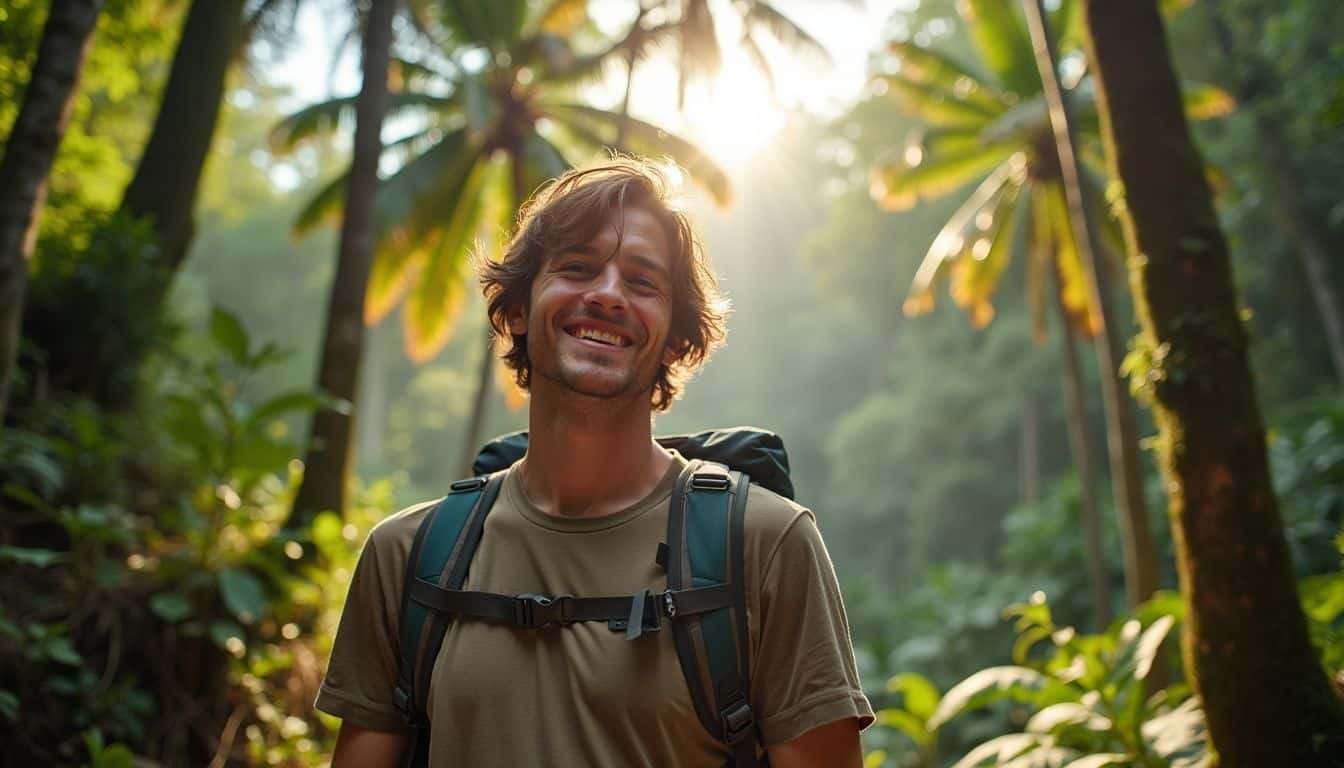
(607, 290)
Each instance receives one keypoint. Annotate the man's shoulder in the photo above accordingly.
(394, 534)
(770, 517)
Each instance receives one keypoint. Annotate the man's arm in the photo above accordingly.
(833, 745)
(360, 747)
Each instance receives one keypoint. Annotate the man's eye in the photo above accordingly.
(573, 266)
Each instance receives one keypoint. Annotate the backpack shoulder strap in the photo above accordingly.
(442, 551)
(705, 539)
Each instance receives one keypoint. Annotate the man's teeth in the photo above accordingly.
(600, 336)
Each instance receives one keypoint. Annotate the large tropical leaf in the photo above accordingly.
(436, 298)
(423, 195)
(898, 186)
(1072, 272)
(592, 124)
(1000, 36)
(324, 208)
(539, 162)
(937, 70)
(495, 25)
(951, 242)
(976, 275)
(329, 115)
(986, 686)
(935, 105)
(698, 52)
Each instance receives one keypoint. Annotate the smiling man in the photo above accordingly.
(606, 304)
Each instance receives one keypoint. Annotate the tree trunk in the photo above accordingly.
(326, 463)
(1029, 462)
(1121, 434)
(1266, 699)
(169, 173)
(471, 441)
(1288, 208)
(1080, 442)
(28, 155)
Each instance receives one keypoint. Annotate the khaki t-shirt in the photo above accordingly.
(582, 694)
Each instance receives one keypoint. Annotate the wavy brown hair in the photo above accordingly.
(571, 211)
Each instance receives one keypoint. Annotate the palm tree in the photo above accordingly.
(28, 154)
(343, 343)
(1266, 699)
(990, 123)
(495, 102)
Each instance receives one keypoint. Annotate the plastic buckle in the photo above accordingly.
(738, 721)
(402, 699)
(709, 481)
(470, 484)
(536, 611)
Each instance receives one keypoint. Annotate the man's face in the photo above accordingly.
(601, 311)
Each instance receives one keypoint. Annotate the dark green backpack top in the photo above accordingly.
(703, 557)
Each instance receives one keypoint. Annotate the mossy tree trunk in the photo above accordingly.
(328, 456)
(1266, 699)
(28, 155)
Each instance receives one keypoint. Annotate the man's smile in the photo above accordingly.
(605, 336)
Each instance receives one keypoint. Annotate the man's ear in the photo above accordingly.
(517, 321)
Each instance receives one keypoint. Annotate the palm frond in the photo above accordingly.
(1019, 123)
(1002, 41)
(951, 241)
(328, 115)
(424, 193)
(496, 25)
(976, 275)
(898, 186)
(539, 162)
(592, 125)
(324, 207)
(436, 297)
(1072, 275)
(764, 16)
(934, 105)
(758, 58)
(560, 17)
(939, 71)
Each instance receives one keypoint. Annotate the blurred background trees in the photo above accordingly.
(160, 593)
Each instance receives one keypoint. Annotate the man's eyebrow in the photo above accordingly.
(649, 264)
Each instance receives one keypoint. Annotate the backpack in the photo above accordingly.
(703, 557)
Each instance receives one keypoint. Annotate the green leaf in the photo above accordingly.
(1150, 642)
(60, 650)
(38, 558)
(1070, 713)
(228, 332)
(561, 17)
(936, 106)
(1001, 38)
(327, 116)
(282, 404)
(999, 751)
(906, 723)
(222, 630)
(920, 694)
(243, 594)
(9, 706)
(590, 124)
(1205, 102)
(986, 686)
(935, 70)
(323, 208)
(898, 186)
(170, 606)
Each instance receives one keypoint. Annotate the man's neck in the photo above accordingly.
(589, 457)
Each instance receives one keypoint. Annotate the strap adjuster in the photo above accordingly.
(537, 611)
(738, 721)
(470, 484)
(709, 481)
(402, 699)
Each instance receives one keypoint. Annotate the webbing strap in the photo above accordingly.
(705, 551)
(536, 611)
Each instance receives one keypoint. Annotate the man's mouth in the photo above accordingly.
(597, 335)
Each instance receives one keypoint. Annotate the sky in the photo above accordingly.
(733, 118)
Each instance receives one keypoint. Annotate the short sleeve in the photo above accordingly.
(804, 674)
(363, 666)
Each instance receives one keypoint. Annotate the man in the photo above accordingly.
(606, 303)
